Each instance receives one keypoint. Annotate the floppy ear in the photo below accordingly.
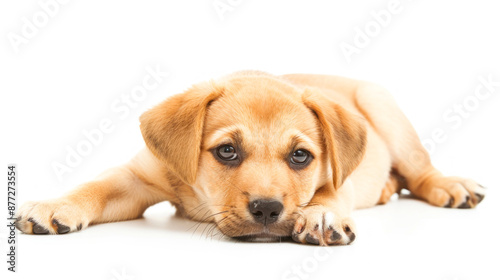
(344, 135)
(173, 129)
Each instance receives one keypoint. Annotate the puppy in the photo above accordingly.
(264, 157)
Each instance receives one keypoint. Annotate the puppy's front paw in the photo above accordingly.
(319, 225)
(50, 217)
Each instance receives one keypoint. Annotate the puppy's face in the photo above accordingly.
(255, 148)
(262, 158)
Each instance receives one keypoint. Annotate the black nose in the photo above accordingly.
(265, 211)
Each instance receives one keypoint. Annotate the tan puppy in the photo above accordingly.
(264, 157)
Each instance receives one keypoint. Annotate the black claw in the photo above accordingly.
(38, 229)
(466, 204)
(295, 237)
(450, 202)
(61, 229)
(335, 236)
(17, 223)
(479, 197)
(311, 239)
(79, 227)
(351, 236)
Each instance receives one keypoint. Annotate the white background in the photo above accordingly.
(65, 78)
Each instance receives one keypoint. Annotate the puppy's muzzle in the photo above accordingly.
(265, 211)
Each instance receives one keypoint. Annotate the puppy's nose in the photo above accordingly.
(265, 211)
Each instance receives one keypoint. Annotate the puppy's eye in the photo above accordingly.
(227, 153)
(300, 158)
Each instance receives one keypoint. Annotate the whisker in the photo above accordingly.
(198, 223)
(204, 230)
(215, 225)
(204, 220)
(196, 211)
(201, 204)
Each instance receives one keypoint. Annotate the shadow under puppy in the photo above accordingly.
(264, 157)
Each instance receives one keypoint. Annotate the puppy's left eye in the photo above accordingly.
(227, 152)
(300, 158)
(227, 155)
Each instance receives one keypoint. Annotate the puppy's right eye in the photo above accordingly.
(227, 153)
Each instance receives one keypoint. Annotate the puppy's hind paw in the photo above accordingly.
(455, 192)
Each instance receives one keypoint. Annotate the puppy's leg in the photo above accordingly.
(393, 185)
(326, 220)
(410, 158)
(118, 194)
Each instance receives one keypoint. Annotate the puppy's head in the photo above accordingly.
(255, 148)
